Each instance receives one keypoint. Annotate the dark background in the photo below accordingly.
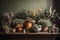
(57, 5)
(16, 5)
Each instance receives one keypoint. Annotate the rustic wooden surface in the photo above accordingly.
(28, 36)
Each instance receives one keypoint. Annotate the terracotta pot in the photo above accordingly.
(44, 29)
(28, 25)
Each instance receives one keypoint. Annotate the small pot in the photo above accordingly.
(44, 29)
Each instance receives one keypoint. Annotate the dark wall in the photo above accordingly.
(57, 5)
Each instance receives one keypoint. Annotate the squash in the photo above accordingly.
(28, 25)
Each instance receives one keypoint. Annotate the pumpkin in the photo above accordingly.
(28, 25)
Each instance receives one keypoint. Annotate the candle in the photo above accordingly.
(40, 9)
(34, 13)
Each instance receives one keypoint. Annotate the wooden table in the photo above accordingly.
(28, 36)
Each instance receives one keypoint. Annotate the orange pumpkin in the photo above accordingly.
(28, 25)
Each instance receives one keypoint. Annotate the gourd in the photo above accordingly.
(28, 25)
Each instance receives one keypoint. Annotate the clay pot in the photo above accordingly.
(44, 29)
(28, 25)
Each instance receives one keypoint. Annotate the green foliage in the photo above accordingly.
(16, 21)
(21, 15)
